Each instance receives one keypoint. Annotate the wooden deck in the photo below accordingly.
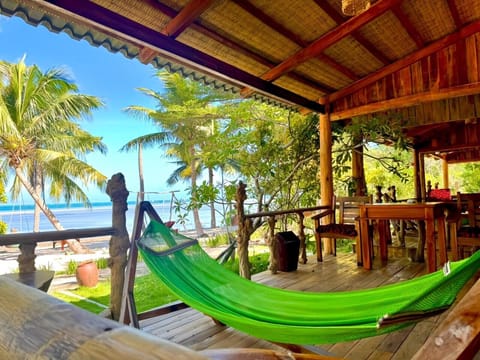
(196, 331)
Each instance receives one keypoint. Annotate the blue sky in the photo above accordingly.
(111, 77)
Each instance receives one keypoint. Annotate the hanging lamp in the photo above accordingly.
(354, 7)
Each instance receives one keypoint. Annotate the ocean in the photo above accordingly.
(19, 218)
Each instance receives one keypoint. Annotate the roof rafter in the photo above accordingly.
(185, 17)
(339, 19)
(147, 54)
(177, 25)
(330, 38)
(279, 28)
(107, 20)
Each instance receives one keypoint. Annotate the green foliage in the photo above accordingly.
(149, 291)
(258, 264)
(471, 178)
(71, 267)
(387, 159)
(82, 304)
(102, 263)
(221, 239)
(42, 145)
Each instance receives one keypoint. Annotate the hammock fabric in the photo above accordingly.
(289, 316)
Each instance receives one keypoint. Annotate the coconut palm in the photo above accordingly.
(40, 142)
(184, 115)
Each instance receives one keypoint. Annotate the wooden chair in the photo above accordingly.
(466, 233)
(344, 223)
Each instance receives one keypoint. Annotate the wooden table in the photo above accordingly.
(427, 211)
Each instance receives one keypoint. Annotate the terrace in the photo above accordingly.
(417, 61)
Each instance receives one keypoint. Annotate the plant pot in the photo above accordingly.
(87, 274)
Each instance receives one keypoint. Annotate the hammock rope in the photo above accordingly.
(291, 316)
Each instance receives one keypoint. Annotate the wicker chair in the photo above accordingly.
(343, 225)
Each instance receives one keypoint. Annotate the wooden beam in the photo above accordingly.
(185, 17)
(330, 38)
(407, 60)
(232, 45)
(287, 33)
(108, 21)
(339, 19)
(406, 101)
(180, 21)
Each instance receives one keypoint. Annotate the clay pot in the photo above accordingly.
(87, 273)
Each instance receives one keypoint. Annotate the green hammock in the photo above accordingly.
(293, 316)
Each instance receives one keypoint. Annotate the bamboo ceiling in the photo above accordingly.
(419, 59)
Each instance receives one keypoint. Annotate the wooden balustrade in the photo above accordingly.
(119, 243)
(245, 230)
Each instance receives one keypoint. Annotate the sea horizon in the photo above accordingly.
(19, 218)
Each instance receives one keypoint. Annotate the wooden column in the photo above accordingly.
(119, 242)
(420, 192)
(325, 173)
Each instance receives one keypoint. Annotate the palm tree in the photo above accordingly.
(184, 114)
(39, 141)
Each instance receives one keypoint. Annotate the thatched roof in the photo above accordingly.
(417, 58)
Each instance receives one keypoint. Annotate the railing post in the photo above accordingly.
(301, 236)
(243, 232)
(273, 245)
(119, 242)
(26, 259)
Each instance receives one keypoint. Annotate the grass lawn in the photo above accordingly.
(149, 291)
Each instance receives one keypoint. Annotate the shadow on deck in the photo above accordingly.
(197, 331)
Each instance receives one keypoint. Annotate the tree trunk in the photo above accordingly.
(243, 232)
(141, 193)
(213, 219)
(196, 215)
(73, 244)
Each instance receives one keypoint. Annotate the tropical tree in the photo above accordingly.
(41, 144)
(184, 114)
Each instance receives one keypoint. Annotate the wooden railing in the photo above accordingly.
(118, 246)
(245, 230)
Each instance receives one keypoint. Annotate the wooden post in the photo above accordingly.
(326, 173)
(119, 242)
(421, 194)
(301, 236)
(243, 232)
(26, 259)
(273, 245)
